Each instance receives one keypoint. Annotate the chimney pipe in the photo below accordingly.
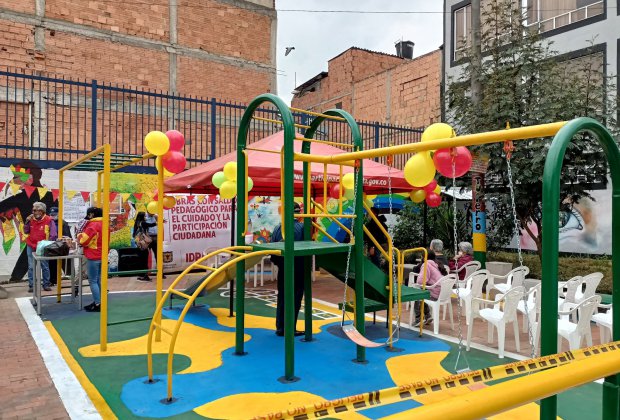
(404, 49)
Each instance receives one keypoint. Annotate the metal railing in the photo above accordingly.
(58, 120)
(569, 17)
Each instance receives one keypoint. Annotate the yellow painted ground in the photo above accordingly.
(202, 346)
(248, 405)
(428, 365)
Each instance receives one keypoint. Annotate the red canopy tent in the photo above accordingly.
(264, 169)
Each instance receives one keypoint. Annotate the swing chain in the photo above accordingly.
(517, 229)
(456, 267)
(351, 239)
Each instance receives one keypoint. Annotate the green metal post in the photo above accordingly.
(358, 222)
(550, 232)
(289, 134)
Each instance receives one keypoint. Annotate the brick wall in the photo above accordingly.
(134, 44)
(380, 87)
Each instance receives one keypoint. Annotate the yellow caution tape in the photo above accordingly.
(414, 389)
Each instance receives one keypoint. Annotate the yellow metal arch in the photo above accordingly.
(216, 277)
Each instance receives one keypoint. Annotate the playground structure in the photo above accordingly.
(392, 289)
(104, 162)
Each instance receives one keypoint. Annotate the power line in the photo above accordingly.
(335, 11)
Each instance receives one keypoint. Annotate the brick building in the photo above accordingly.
(216, 48)
(376, 86)
(157, 64)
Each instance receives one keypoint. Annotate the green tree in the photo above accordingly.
(524, 82)
(409, 229)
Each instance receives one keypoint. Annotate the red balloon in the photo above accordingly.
(156, 195)
(334, 191)
(177, 141)
(174, 161)
(462, 161)
(430, 187)
(433, 199)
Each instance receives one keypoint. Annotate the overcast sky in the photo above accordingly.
(319, 37)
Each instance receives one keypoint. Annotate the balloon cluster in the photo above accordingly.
(421, 168)
(430, 193)
(226, 181)
(167, 147)
(348, 182)
(169, 202)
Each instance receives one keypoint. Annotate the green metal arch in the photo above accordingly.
(550, 248)
(289, 135)
(358, 222)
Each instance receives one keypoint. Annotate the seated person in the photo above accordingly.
(434, 272)
(465, 255)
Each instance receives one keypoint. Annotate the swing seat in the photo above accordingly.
(355, 336)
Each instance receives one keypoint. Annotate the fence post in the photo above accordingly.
(376, 125)
(213, 131)
(93, 134)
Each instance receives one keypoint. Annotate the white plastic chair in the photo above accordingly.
(446, 283)
(532, 298)
(575, 332)
(591, 282)
(472, 289)
(515, 278)
(470, 268)
(498, 317)
(604, 321)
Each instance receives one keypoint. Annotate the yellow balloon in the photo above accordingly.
(228, 189)
(417, 196)
(438, 131)
(157, 143)
(437, 189)
(419, 169)
(348, 180)
(230, 171)
(151, 207)
(169, 202)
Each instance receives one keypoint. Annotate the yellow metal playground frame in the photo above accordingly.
(105, 162)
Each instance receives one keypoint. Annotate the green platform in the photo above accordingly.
(306, 248)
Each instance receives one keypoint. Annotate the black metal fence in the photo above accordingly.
(57, 120)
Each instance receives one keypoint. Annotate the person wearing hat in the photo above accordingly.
(66, 232)
(38, 227)
(276, 236)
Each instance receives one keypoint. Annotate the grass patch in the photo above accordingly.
(568, 266)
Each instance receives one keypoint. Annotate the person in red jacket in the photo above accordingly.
(464, 255)
(38, 227)
(90, 239)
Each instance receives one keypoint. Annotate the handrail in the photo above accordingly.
(401, 268)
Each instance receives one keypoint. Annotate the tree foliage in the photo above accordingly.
(524, 82)
(409, 229)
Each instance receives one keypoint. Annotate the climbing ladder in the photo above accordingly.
(214, 279)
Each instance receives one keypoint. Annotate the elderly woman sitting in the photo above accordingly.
(464, 255)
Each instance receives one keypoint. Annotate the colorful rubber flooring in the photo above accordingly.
(211, 382)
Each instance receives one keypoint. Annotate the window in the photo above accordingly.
(552, 14)
(462, 27)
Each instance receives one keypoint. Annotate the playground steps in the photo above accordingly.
(376, 281)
